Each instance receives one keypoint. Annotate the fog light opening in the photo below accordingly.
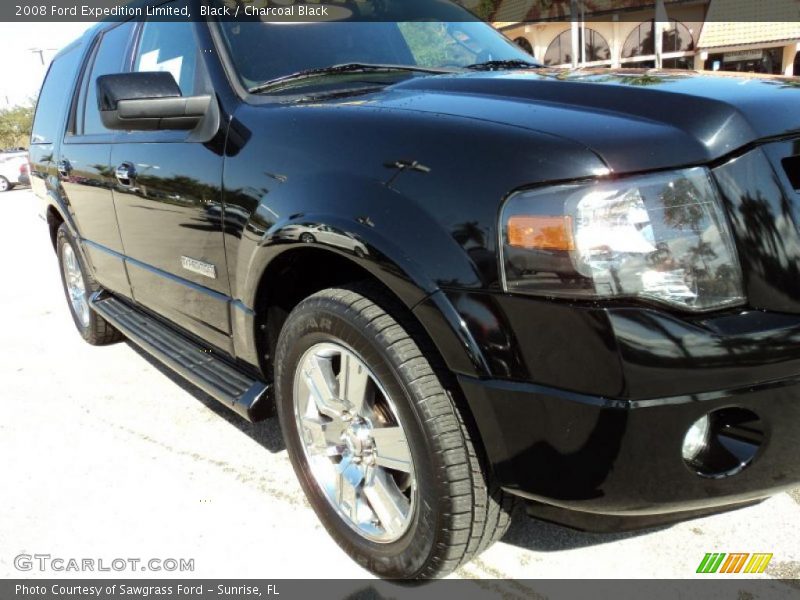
(723, 442)
(696, 439)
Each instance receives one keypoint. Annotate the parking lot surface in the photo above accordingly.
(106, 454)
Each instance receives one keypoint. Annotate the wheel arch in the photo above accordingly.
(434, 321)
(55, 213)
(301, 270)
(54, 220)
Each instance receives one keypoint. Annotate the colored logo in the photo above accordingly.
(737, 562)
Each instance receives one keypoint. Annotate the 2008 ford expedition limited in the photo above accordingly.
(458, 277)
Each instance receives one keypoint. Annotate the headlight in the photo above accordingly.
(660, 237)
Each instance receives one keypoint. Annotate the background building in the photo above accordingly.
(730, 35)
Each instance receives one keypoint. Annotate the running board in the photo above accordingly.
(248, 397)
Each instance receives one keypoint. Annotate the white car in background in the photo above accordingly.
(310, 233)
(13, 170)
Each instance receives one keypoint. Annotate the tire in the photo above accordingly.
(92, 327)
(456, 511)
(5, 185)
(307, 238)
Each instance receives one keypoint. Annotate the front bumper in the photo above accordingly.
(586, 407)
(623, 458)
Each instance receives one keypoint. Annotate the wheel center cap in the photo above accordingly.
(358, 440)
(353, 444)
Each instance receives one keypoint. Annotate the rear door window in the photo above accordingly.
(54, 99)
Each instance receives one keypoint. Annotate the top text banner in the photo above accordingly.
(498, 11)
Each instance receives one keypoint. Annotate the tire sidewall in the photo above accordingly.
(63, 239)
(313, 323)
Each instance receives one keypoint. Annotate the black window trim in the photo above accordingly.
(228, 68)
(86, 64)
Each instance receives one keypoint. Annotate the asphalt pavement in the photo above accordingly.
(106, 454)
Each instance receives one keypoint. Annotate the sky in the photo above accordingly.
(21, 71)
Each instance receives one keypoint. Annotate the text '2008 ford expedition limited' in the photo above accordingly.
(459, 278)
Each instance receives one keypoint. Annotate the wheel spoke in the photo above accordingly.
(351, 471)
(391, 449)
(322, 384)
(348, 498)
(388, 504)
(324, 437)
(348, 481)
(354, 381)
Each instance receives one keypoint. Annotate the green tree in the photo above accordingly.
(434, 46)
(15, 125)
(486, 9)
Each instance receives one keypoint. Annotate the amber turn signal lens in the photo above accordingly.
(541, 233)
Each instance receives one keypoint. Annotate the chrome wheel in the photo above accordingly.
(354, 443)
(4, 185)
(76, 289)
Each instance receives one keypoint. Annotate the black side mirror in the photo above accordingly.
(147, 102)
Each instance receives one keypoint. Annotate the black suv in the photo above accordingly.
(459, 278)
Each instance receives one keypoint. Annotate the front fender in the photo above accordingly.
(404, 246)
(379, 230)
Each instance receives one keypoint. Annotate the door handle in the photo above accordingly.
(126, 174)
(63, 168)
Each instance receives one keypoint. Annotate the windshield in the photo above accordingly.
(263, 51)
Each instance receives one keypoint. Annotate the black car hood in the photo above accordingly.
(634, 120)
